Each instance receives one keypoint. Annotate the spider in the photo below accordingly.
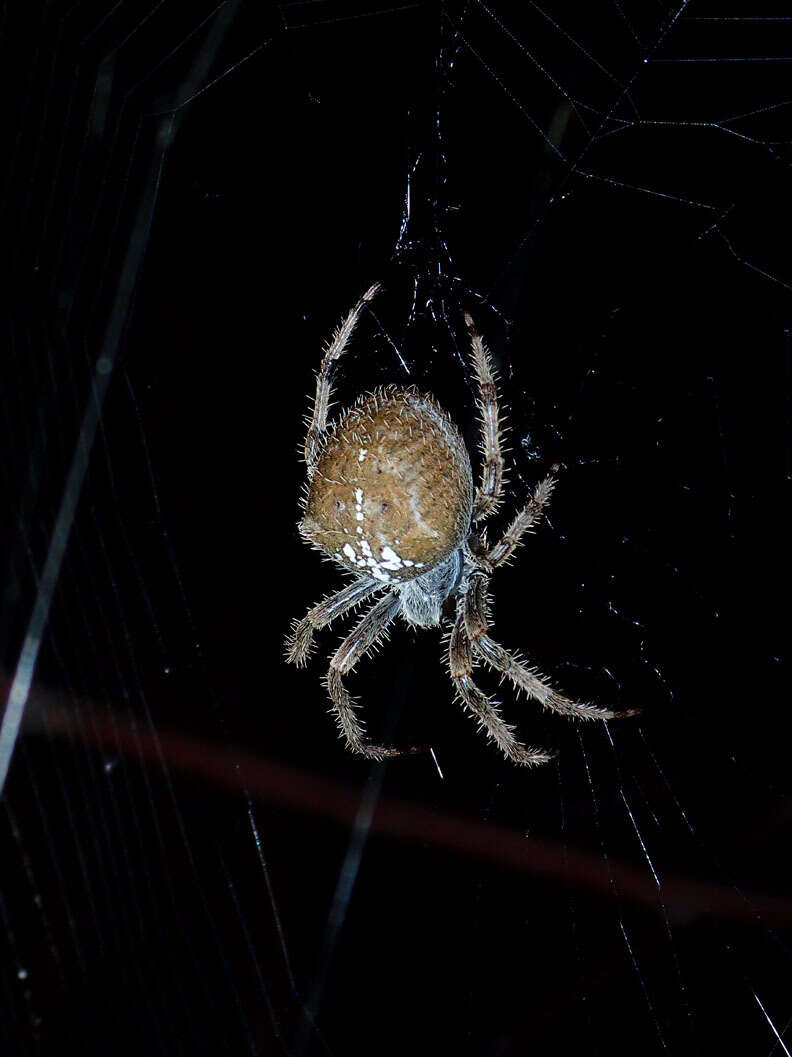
(389, 496)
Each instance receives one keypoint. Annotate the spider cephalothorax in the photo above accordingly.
(390, 497)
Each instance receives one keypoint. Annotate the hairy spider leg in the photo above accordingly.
(525, 521)
(484, 709)
(324, 381)
(533, 683)
(488, 493)
(300, 642)
(363, 638)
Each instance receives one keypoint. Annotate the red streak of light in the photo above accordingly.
(414, 822)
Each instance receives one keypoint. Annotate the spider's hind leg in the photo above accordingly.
(483, 708)
(349, 726)
(355, 646)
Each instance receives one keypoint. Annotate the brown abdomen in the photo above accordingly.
(393, 491)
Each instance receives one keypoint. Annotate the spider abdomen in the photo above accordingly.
(392, 495)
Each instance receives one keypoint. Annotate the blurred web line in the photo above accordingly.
(306, 1013)
(19, 692)
(103, 369)
(341, 899)
(774, 1029)
(617, 896)
(159, 752)
(138, 239)
(683, 989)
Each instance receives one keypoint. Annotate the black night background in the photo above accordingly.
(193, 196)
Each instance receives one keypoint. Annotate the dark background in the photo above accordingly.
(191, 863)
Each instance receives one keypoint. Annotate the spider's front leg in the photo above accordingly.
(511, 665)
(365, 636)
(483, 708)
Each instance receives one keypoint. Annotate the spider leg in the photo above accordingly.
(300, 642)
(364, 637)
(481, 707)
(512, 667)
(523, 522)
(488, 493)
(324, 376)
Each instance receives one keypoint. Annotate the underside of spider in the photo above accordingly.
(390, 497)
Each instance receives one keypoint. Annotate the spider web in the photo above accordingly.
(194, 194)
